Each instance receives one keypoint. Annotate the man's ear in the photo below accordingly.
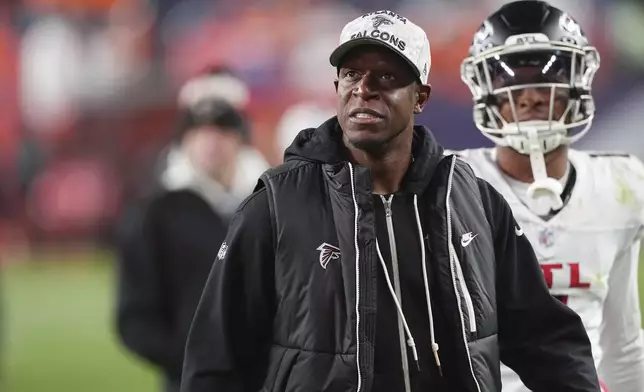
(335, 83)
(422, 97)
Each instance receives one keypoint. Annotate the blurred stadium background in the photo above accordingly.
(88, 96)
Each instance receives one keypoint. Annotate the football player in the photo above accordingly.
(530, 72)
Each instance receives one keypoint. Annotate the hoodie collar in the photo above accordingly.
(324, 145)
(181, 174)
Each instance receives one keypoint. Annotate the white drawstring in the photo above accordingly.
(410, 339)
(427, 294)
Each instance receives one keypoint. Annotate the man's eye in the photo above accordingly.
(350, 74)
(387, 76)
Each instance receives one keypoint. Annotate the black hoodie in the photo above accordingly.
(298, 299)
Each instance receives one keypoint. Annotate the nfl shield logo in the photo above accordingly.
(546, 238)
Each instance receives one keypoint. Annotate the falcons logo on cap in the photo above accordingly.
(381, 20)
(328, 253)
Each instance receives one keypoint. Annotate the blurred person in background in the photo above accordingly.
(167, 250)
(530, 72)
(301, 298)
(219, 82)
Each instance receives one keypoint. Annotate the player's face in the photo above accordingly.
(377, 95)
(530, 103)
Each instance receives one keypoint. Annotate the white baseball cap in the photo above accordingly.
(392, 31)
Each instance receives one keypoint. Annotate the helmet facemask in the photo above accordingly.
(562, 72)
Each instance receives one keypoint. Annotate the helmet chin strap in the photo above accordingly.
(545, 192)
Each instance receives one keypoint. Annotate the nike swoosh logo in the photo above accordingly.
(518, 231)
(467, 238)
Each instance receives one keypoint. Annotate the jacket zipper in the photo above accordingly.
(396, 271)
(357, 249)
(453, 261)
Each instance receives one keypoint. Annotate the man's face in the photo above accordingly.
(212, 149)
(377, 96)
(530, 103)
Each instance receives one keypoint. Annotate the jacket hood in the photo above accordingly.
(324, 145)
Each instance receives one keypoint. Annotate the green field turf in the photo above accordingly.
(59, 335)
(58, 329)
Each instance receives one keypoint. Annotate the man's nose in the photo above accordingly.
(366, 88)
(529, 98)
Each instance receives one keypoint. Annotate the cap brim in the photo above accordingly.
(342, 50)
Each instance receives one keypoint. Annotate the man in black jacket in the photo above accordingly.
(370, 262)
(168, 242)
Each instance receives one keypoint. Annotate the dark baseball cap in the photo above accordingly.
(216, 113)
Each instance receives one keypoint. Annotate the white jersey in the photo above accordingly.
(589, 256)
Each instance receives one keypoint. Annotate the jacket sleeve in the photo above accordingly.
(232, 328)
(621, 340)
(143, 322)
(540, 338)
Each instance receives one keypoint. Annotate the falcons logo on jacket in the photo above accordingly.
(328, 253)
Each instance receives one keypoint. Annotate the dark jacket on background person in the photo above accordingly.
(298, 300)
(167, 245)
(166, 250)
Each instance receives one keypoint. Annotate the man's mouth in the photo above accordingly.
(365, 116)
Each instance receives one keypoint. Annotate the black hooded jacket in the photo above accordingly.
(298, 299)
